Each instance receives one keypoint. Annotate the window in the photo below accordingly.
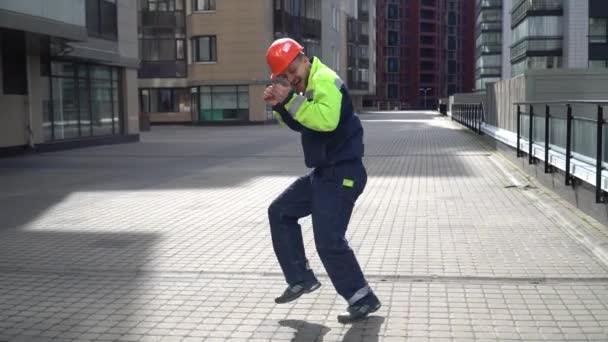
(392, 12)
(204, 49)
(219, 103)
(164, 100)
(101, 18)
(162, 49)
(392, 91)
(85, 101)
(203, 5)
(393, 38)
(392, 64)
(14, 72)
(598, 30)
(598, 63)
(427, 40)
(426, 27)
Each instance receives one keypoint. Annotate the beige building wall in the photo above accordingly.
(244, 32)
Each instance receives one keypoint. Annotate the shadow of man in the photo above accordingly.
(367, 329)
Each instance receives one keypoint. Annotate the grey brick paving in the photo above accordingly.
(167, 240)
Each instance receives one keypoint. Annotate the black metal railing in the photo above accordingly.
(469, 114)
(549, 118)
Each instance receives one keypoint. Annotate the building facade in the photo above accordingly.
(549, 34)
(424, 52)
(68, 75)
(203, 61)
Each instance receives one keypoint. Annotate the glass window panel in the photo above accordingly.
(65, 108)
(101, 104)
(557, 132)
(205, 49)
(167, 49)
(224, 97)
(85, 111)
(539, 129)
(243, 97)
(182, 99)
(166, 102)
(598, 30)
(100, 72)
(92, 16)
(525, 124)
(63, 69)
(179, 47)
(108, 18)
(584, 138)
(144, 100)
(47, 117)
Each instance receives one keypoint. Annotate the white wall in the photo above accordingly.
(576, 31)
(507, 6)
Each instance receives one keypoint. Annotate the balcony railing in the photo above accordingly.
(578, 137)
(469, 114)
(488, 71)
(536, 44)
(163, 19)
(162, 69)
(297, 27)
(489, 49)
(522, 7)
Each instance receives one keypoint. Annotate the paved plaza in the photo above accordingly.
(168, 240)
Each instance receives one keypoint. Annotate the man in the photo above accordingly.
(310, 98)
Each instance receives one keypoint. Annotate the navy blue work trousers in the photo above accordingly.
(329, 195)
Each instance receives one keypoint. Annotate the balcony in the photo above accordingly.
(488, 27)
(296, 27)
(163, 19)
(488, 72)
(489, 49)
(540, 46)
(363, 39)
(162, 69)
(489, 4)
(524, 8)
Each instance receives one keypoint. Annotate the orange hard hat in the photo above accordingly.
(281, 53)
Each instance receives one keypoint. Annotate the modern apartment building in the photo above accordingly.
(537, 34)
(203, 61)
(68, 73)
(424, 52)
(361, 51)
(488, 42)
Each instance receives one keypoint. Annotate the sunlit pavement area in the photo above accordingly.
(168, 240)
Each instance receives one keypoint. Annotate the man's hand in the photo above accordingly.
(269, 96)
(280, 91)
(277, 92)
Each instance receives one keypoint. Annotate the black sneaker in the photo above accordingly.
(294, 292)
(361, 309)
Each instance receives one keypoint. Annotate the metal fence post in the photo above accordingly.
(599, 193)
(568, 144)
(531, 136)
(518, 130)
(547, 165)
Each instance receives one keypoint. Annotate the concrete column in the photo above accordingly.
(507, 6)
(130, 101)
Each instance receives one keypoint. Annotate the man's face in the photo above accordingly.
(297, 73)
